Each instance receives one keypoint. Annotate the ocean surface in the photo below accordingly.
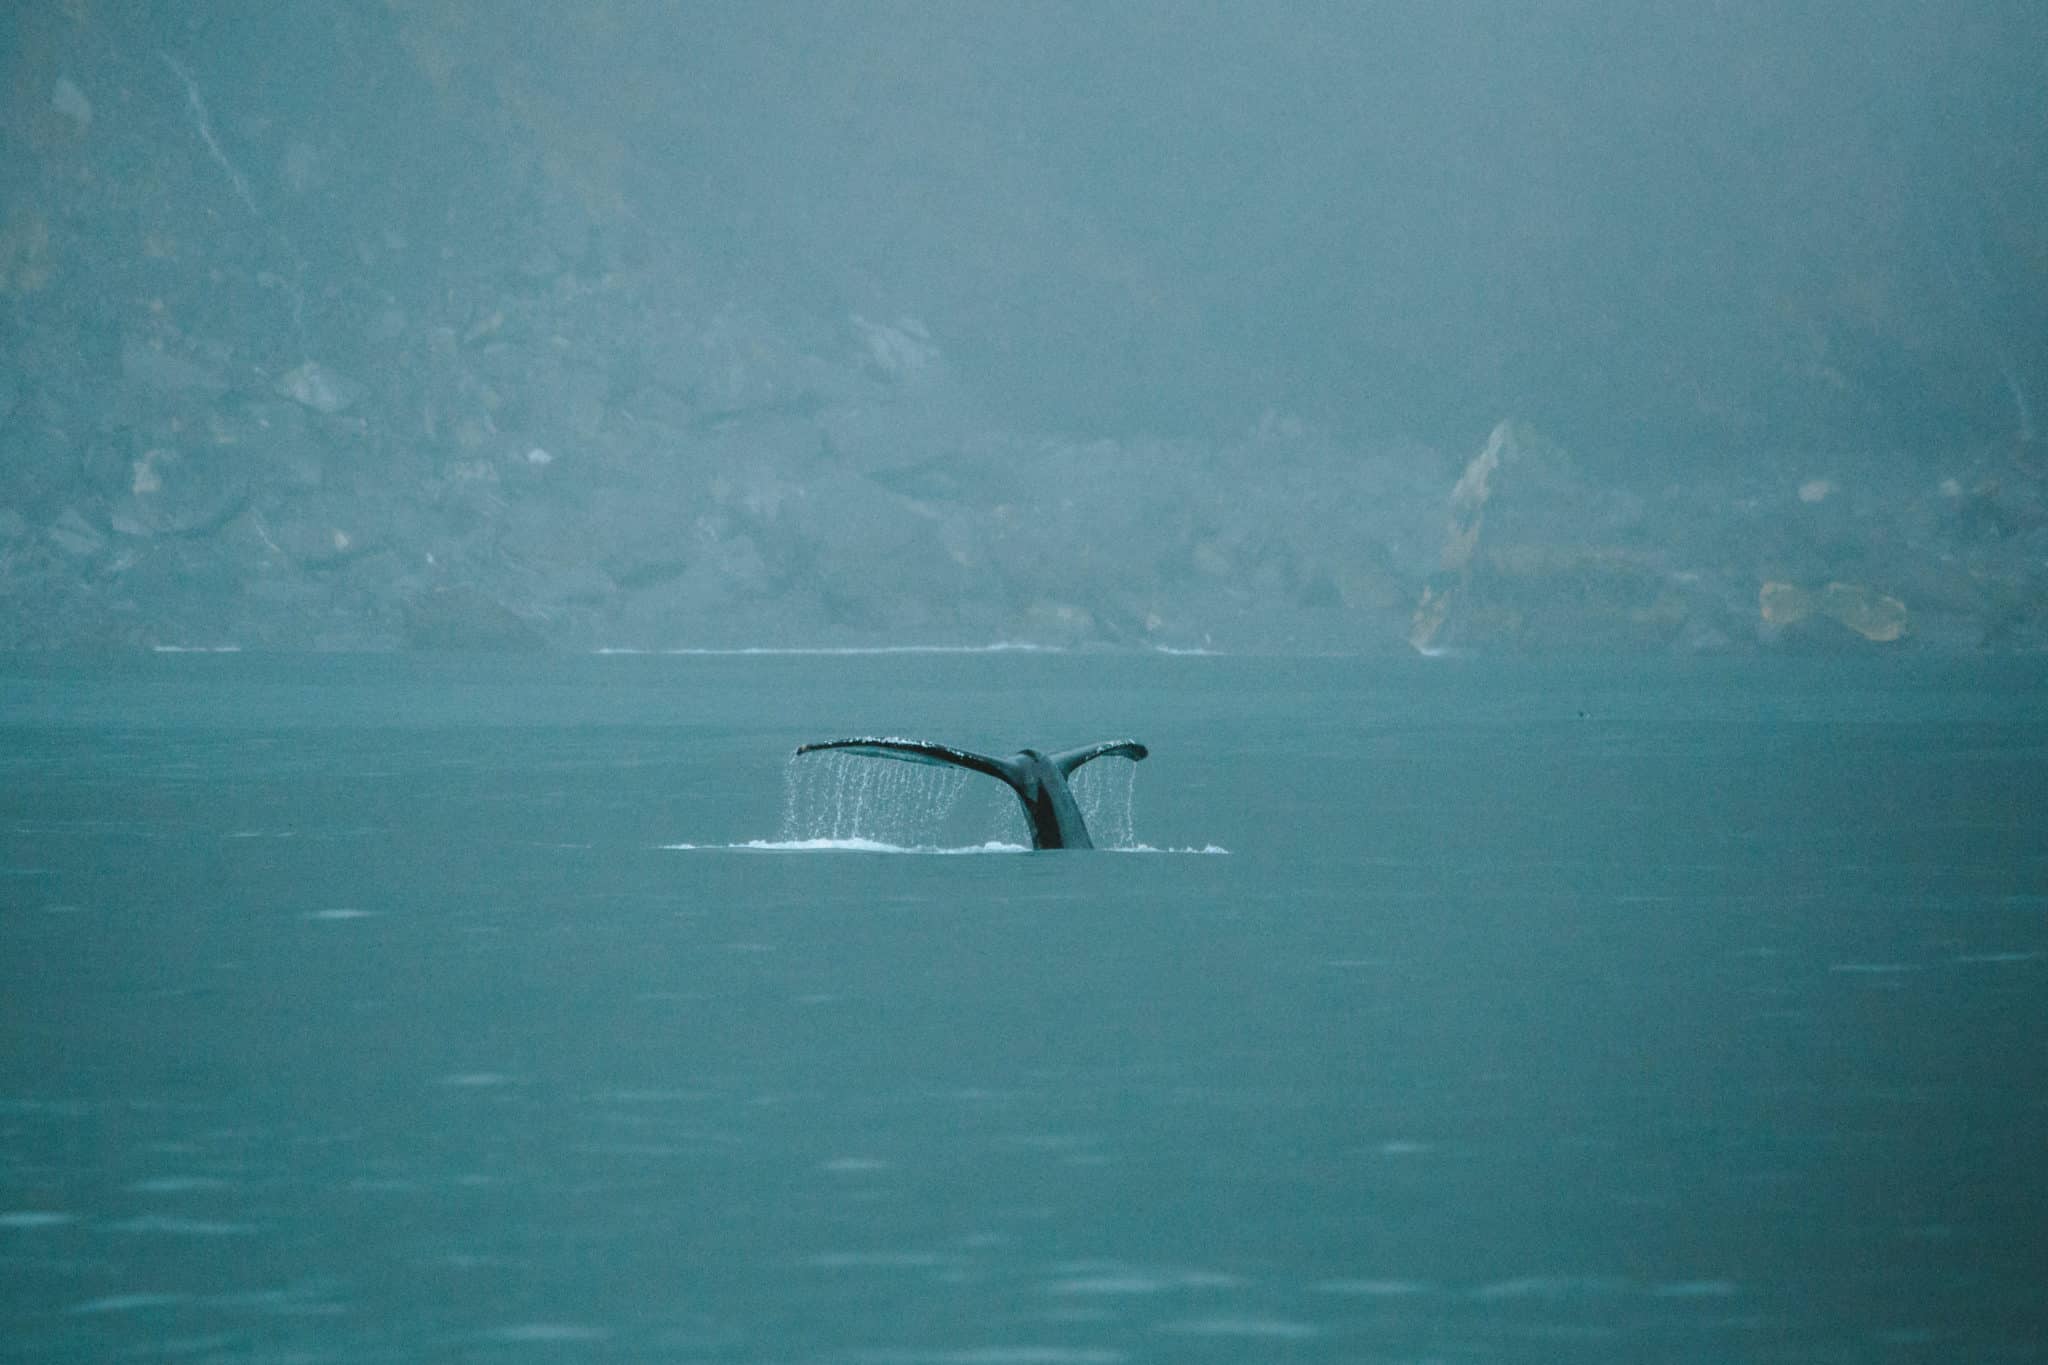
(389, 1009)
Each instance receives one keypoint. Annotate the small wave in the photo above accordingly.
(876, 846)
(993, 1355)
(998, 647)
(31, 1219)
(126, 1303)
(842, 846)
(178, 1184)
(547, 1333)
(196, 649)
(1270, 1329)
(152, 1225)
(1376, 1289)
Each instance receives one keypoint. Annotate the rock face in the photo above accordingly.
(1536, 559)
(256, 394)
(1856, 609)
(319, 388)
(467, 619)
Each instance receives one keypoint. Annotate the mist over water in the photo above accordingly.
(1559, 491)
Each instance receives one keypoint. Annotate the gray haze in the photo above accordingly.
(1296, 326)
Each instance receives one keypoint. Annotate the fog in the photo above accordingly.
(1553, 492)
(1304, 326)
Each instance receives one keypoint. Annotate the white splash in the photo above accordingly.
(839, 651)
(840, 796)
(1106, 790)
(878, 846)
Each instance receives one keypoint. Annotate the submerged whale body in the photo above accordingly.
(1040, 780)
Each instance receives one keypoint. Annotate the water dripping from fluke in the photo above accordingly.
(836, 798)
(1038, 780)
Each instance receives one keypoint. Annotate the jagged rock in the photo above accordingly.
(282, 449)
(575, 585)
(150, 365)
(67, 99)
(319, 532)
(901, 351)
(1861, 610)
(181, 493)
(1059, 623)
(738, 364)
(1549, 563)
(868, 550)
(319, 388)
(76, 536)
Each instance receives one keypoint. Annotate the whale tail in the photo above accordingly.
(1040, 780)
(1074, 758)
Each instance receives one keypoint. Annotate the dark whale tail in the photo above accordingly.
(1040, 780)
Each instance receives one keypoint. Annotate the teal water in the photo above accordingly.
(388, 1009)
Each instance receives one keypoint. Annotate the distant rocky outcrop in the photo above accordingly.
(258, 393)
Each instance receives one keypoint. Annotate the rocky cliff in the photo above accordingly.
(355, 327)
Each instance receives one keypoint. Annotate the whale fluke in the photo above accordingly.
(1040, 780)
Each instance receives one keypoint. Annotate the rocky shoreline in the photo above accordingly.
(282, 411)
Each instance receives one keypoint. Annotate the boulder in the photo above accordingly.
(1537, 558)
(1860, 611)
(75, 535)
(173, 492)
(153, 364)
(323, 390)
(320, 531)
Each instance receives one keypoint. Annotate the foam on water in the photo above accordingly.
(878, 846)
(842, 846)
(994, 1355)
(748, 651)
(844, 796)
